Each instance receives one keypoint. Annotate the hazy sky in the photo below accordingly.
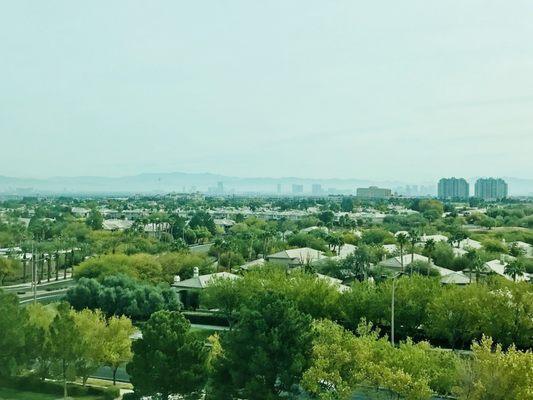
(408, 90)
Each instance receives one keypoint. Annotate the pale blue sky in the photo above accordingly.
(408, 90)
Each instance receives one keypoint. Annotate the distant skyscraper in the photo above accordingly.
(316, 189)
(373, 192)
(297, 189)
(491, 189)
(454, 188)
(220, 187)
(279, 188)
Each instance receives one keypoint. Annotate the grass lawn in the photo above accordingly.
(202, 334)
(13, 394)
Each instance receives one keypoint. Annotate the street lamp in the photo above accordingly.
(392, 305)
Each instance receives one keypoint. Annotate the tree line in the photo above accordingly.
(57, 342)
(275, 351)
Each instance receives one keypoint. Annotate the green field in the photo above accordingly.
(201, 333)
(13, 394)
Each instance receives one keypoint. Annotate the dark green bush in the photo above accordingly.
(33, 384)
(130, 396)
(206, 318)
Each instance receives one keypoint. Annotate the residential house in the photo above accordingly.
(395, 263)
(498, 267)
(80, 212)
(116, 224)
(526, 248)
(189, 289)
(296, 257)
(337, 283)
(470, 244)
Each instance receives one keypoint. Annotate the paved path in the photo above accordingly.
(44, 283)
(210, 327)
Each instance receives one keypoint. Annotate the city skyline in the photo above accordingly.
(219, 184)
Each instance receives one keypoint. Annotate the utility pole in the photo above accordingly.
(392, 305)
(33, 275)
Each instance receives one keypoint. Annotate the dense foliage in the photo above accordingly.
(121, 295)
(320, 329)
(55, 341)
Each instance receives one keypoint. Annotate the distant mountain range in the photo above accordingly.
(153, 183)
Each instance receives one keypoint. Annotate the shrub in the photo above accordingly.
(33, 384)
(206, 318)
(122, 295)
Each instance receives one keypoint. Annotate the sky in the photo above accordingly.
(407, 90)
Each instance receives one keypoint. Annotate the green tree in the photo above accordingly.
(358, 263)
(402, 240)
(495, 246)
(342, 361)
(66, 343)
(203, 219)
(168, 359)
(230, 259)
(412, 296)
(497, 375)
(266, 353)
(457, 235)
(94, 220)
(347, 204)
(515, 268)
(475, 264)
(365, 301)
(121, 295)
(376, 236)
(429, 248)
(116, 349)
(335, 362)
(8, 268)
(39, 344)
(431, 209)
(12, 338)
(414, 237)
(458, 315)
(327, 217)
(516, 251)
(443, 255)
(183, 263)
(225, 295)
(90, 326)
(421, 267)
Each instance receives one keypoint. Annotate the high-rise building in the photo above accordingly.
(278, 188)
(491, 189)
(216, 190)
(453, 188)
(316, 189)
(373, 192)
(297, 189)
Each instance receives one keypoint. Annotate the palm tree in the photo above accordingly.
(414, 237)
(429, 246)
(515, 268)
(457, 235)
(48, 267)
(402, 240)
(266, 237)
(358, 262)
(249, 238)
(24, 263)
(476, 264)
(338, 242)
(57, 261)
